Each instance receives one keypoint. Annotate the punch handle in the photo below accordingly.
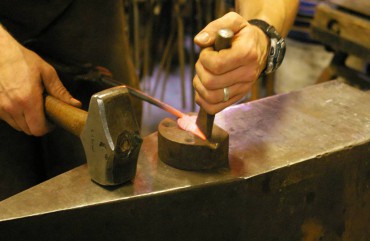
(205, 120)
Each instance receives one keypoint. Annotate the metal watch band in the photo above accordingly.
(277, 45)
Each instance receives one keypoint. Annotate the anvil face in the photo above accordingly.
(298, 160)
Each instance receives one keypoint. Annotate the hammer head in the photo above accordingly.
(111, 137)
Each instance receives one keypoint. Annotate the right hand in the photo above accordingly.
(236, 68)
(23, 77)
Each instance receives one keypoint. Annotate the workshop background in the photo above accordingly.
(165, 56)
(298, 163)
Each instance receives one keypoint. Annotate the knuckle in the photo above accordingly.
(232, 15)
(51, 70)
(37, 126)
(217, 66)
(250, 75)
(194, 84)
(207, 96)
(197, 99)
(20, 100)
(211, 109)
(4, 108)
(60, 90)
(253, 56)
(207, 83)
(8, 107)
(48, 69)
(211, 98)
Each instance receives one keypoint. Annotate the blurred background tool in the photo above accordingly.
(343, 26)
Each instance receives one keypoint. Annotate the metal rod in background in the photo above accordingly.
(164, 60)
(167, 70)
(136, 33)
(181, 50)
(147, 49)
(192, 53)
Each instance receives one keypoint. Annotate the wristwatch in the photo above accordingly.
(277, 45)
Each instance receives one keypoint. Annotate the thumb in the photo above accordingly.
(204, 38)
(207, 36)
(55, 87)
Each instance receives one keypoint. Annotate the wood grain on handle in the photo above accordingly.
(68, 117)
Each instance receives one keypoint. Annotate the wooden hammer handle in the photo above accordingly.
(68, 117)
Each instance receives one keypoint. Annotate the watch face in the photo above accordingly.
(273, 45)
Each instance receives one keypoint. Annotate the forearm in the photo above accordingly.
(279, 13)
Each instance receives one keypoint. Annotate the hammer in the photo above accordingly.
(108, 131)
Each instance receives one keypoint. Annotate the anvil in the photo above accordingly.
(299, 168)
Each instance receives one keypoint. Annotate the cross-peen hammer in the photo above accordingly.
(108, 131)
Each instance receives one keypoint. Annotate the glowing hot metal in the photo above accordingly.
(185, 122)
(188, 123)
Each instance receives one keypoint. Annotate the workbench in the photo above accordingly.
(344, 27)
(299, 169)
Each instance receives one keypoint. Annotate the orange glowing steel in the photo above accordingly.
(187, 123)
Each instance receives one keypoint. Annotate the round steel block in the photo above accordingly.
(183, 150)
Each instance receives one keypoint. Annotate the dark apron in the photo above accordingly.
(70, 31)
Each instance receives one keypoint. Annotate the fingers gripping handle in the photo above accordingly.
(205, 120)
(68, 117)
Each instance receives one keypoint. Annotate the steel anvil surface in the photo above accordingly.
(299, 168)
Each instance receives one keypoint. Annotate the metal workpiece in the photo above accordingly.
(156, 102)
(183, 150)
(299, 167)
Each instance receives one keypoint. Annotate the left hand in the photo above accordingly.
(236, 68)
